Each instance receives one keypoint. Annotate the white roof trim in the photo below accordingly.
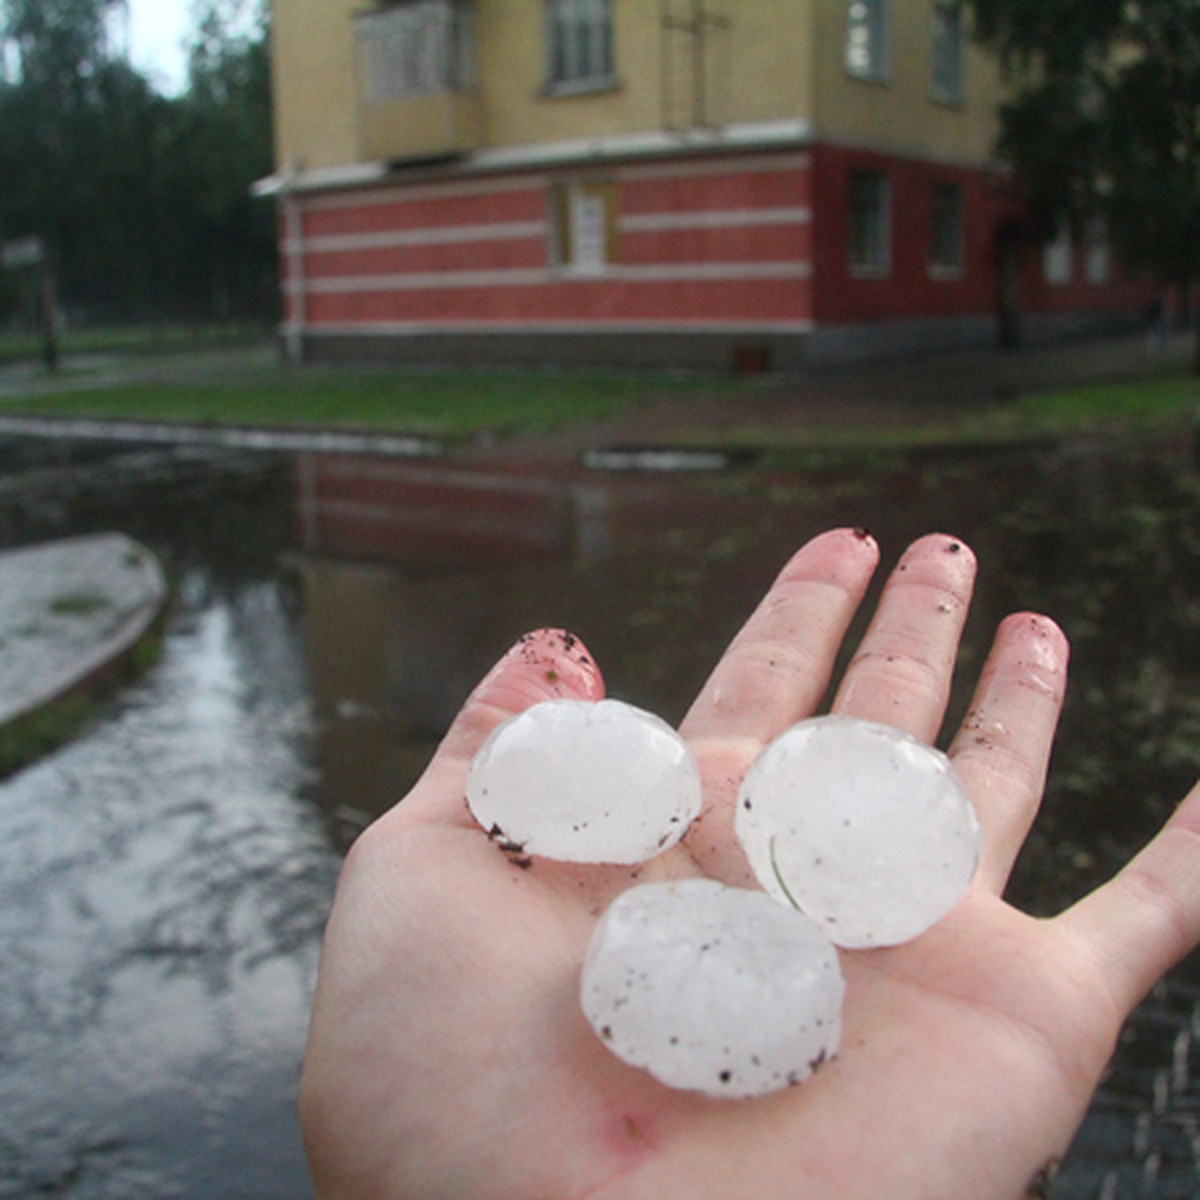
(658, 143)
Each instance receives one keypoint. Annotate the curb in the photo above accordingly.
(70, 612)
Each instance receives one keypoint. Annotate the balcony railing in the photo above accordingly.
(416, 76)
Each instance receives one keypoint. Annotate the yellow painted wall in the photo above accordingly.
(512, 71)
(756, 68)
(312, 50)
(777, 60)
(901, 115)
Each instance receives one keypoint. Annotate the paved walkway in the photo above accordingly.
(890, 393)
(68, 611)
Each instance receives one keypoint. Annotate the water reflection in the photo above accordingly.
(163, 880)
(161, 898)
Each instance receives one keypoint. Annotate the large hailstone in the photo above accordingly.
(862, 827)
(713, 989)
(585, 782)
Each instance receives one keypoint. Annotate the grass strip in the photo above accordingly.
(1145, 407)
(433, 403)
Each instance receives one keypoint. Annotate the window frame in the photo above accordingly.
(573, 65)
(877, 264)
(875, 48)
(1097, 262)
(415, 48)
(948, 81)
(568, 201)
(952, 236)
(1058, 258)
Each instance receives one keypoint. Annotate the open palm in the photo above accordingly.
(448, 1056)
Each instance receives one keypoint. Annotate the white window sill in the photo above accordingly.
(580, 87)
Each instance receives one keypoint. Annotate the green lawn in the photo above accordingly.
(435, 403)
(1165, 399)
(1142, 407)
(249, 387)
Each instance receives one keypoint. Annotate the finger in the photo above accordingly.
(549, 664)
(902, 671)
(778, 667)
(774, 673)
(1002, 748)
(1147, 918)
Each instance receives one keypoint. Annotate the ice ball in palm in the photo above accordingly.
(713, 989)
(861, 826)
(585, 781)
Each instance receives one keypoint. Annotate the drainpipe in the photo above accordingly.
(293, 235)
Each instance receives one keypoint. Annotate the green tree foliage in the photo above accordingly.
(60, 45)
(142, 199)
(227, 121)
(1105, 119)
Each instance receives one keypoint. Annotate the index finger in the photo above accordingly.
(775, 673)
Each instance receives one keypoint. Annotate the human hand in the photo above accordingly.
(448, 1056)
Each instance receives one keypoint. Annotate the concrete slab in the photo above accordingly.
(70, 610)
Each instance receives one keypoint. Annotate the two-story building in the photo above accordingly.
(700, 183)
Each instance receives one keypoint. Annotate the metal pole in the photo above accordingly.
(49, 307)
(294, 237)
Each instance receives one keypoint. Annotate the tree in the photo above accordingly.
(1105, 121)
(143, 200)
(228, 116)
(60, 44)
(59, 51)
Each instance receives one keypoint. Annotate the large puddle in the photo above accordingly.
(164, 879)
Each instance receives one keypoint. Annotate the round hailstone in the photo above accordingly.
(585, 782)
(713, 989)
(862, 827)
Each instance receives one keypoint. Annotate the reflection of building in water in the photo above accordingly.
(385, 666)
(415, 578)
(411, 512)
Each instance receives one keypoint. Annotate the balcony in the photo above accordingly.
(442, 125)
(416, 69)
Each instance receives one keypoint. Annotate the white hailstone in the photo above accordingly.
(865, 829)
(585, 782)
(713, 989)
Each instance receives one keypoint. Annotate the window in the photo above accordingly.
(1056, 258)
(415, 49)
(584, 223)
(1098, 264)
(579, 41)
(949, 50)
(947, 230)
(870, 223)
(866, 39)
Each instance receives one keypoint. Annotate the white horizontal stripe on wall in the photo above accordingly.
(382, 196)
(440, 235)
(739, 218)
(451, 235)
(654, 273)
(374, 196)
(508, 326)
(425, 280)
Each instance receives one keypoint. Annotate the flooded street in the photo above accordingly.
(164, 879)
